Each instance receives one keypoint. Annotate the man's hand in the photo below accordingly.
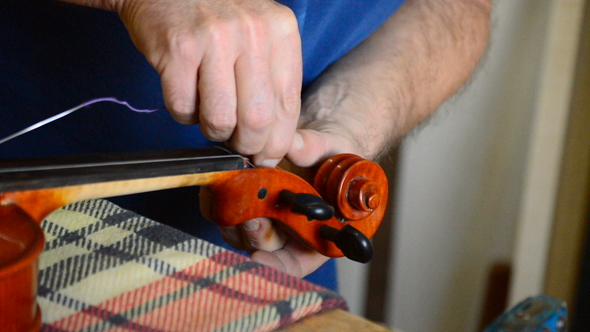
(372, 97)
(233, 66)
(265, 239)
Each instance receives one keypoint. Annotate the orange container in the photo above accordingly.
(21, 242)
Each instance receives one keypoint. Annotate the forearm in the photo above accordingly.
(113, 5)
(402, 73)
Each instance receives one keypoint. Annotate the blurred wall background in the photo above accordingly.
(460, 184)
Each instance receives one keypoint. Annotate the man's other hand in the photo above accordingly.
(233, 66)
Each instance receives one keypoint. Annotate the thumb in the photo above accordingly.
(309, 147)
(312, 146)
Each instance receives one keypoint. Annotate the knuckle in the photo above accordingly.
(276, 19)
(245, 149)
(285, 21)
(218, 127)
(184, 47)
(277, 146)
(218, 114)
(248, 21)
(218, 31)
(221, 122)
(182, 110)
(290, 103)
(248, 148)
(258, 118)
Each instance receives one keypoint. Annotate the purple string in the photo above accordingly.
(71, 110)
(115, 100)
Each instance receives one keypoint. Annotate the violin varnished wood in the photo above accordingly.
(35, 187)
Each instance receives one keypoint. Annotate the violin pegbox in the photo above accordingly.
(336, 217)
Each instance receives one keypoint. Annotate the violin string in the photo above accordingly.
(72, 110)
(249, 164)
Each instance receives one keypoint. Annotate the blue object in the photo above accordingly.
(535, 314)
(331, 28)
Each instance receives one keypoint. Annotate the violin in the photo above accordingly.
(336, 214)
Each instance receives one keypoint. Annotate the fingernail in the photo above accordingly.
(297, 141)
(269, 163)
(251, 225)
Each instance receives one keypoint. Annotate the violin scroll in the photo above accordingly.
(356, 187)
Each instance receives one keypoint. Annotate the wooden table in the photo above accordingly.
(334, 321)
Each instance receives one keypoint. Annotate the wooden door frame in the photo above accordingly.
(542, 235)
(568, 241)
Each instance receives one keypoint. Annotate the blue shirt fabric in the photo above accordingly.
(54, 56)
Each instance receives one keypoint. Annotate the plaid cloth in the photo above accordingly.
(108, 269)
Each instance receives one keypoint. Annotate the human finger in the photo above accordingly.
(217, 92)
(232, 235)
(252, 235)
(179, 73)
(294, 258)
(286, 71)
(261, 234)
(311, 146)
(255, 113)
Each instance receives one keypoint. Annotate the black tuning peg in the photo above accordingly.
(353, 244)
(311, 206)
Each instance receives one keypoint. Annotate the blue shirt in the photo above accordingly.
(54, 56)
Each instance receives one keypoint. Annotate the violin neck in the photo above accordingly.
(55, 172)
(40, 186)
